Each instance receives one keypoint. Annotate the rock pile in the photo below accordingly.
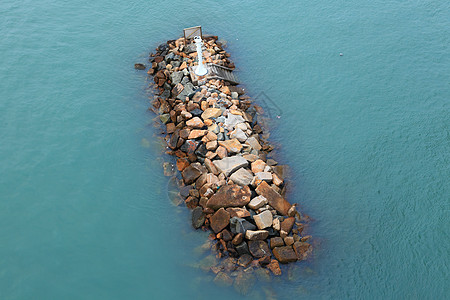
(230, 185)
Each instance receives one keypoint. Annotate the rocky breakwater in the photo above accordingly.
(229, 183)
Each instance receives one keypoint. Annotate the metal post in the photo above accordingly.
(201, 70)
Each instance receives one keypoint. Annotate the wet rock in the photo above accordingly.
(229, 196)
(287, 224)
(226, 235)
(139, 66)
(230, 164)
(276, 242)
(238, 212)
(242, 177)
(275, 200)
(245, 260)
(165, 118)
(190, 174)
(182, 163)
(301, 249)
(256, 235)
(239, 225)
(243, 283)
(289, 240)
(257, 202)
(232, 146)
(259, 248)
(242, 248)
(274, 266)
(220, 220)
(284, 254)
(264, 261)
(222, 279)
(189, 147)
(198, 217)
(263, 220)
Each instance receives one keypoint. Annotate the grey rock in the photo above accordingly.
(230, 164)
(254, 235)
(242, 177)
(198, 217)
(232, 120)
(257, 202)
(242, 248)
(253, 142)
(239, 225)
(239, 135)
(176, 77)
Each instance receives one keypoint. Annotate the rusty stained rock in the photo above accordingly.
(230, 196)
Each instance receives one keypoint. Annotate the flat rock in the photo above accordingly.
(230, 164)
(242, 177)
(275, 200)
(284, 254)
(301, 249)
(229, 196)
(197, 133)
(257, 202)
(260, 248)
(190, 174)
(276, 242)
(254, 235)
(239, 225)
(239, 135)
(253, 142)
(195, 122)
(233, 120)
(264, 176)
(232, 146)
(198, 217)
(258, 166)
(220, 220)
(287, 224)
(263, 220)
(238, 212)
(211, 113)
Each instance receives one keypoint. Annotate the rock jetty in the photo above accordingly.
(229, 182)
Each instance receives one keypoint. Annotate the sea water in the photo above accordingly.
(362, 92)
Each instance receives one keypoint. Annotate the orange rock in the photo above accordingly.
(274, 266)
(275, 200)
(197, 133)
(183, 66)
(221, 152)
(232, 146)
(182, 163)
(258, 166)
(195, 122)
(225, 90)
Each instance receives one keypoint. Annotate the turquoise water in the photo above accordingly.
(84, 212)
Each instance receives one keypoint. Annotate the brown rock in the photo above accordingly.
(284, 254)
(274, 266)
(177, 89)
(212, 145)
(182, 163)
(221, 152)
(301, 250)
(226, 235)
(289, 240)
(211, 113)
(260, 248)
(197, 133)
(191, 202)
(275, 200)
(222, 279)
(287, 224)
(238, 212)
(258, 166)
(264, 261)
(238, 239)
(184, 133)
(245, 260)
(232, 146)
(220, 220)
(276, 242)
(211, 167)
(170, 127)
(190, 174)
(230, 196)
(195, 122)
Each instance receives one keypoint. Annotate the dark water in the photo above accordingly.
(84, 211)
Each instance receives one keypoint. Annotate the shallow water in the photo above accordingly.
(84, 210)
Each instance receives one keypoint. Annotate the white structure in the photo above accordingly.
(200, 70)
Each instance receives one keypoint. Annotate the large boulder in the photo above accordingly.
(229, 196)
(275, 200)
(230, 164)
